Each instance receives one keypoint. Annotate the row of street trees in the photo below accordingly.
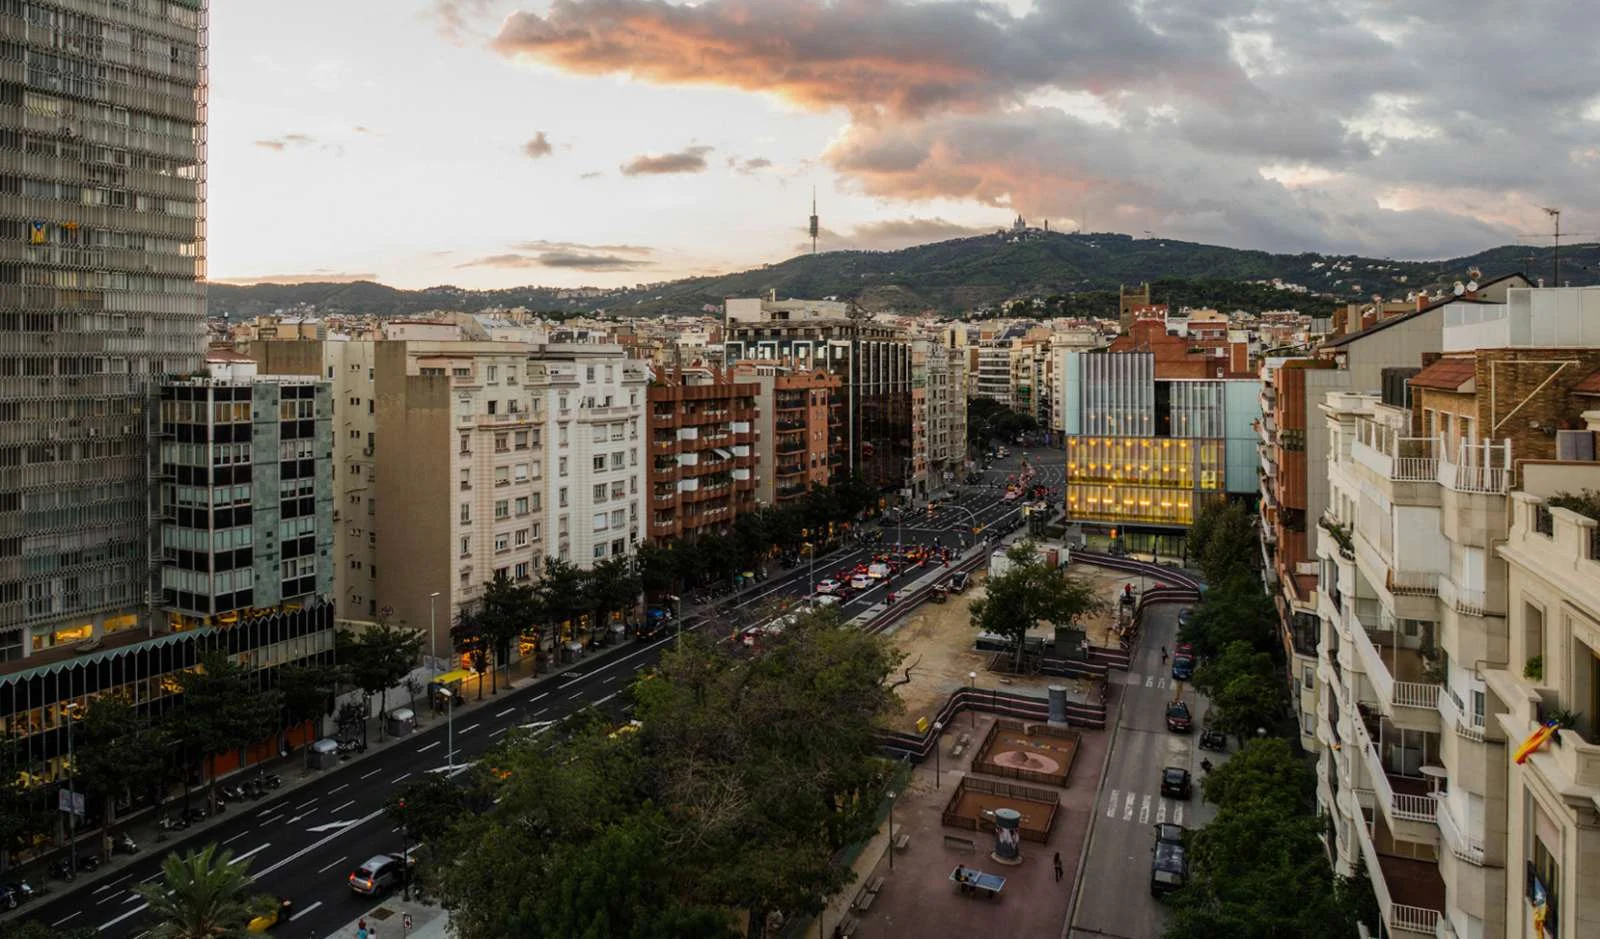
(786, 527)
(123, 751)
(1260, 869)
(743, 778)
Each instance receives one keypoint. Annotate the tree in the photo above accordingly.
(1030, 591)
(506, 611)
(1243, 688)
(467, 637)
(612, 586)
(1263, 772)
(1236, 610)
(117, 751)
(223, 710)
(380, 659)
(32, 929)
(202, 895)
(308, 693)
(1227, 541)
(24, 813)
(562, 595)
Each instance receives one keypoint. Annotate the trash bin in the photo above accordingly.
(402, 721)
(573, 651)
(325, 753)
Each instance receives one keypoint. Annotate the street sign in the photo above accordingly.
(69, 801)
(405, 922)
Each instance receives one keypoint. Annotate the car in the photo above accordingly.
(1182, 667)
(958, 581)
(1179, 720)
(272, 918)
(1175, 783)
(880, 570)
(378, 873)
(1169, 868)
(860, 582)
(1184, 615)
(828, 585)
(826, 599)
(1169, 833)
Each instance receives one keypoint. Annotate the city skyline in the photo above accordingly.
(495, 143)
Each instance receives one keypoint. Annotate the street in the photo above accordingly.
(1113, 893)
(304, 841)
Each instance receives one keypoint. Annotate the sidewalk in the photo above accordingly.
(388, 919)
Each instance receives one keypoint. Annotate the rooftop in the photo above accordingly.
(1452, 373)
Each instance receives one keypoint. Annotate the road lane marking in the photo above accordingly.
(1127, 812)
(542, 694)
(268, 811)
(1177, 815)
(313, 846)
(496, 733)
(307, 909)
(468, 729)
(105, 887)
(402, 778)
(1161, 812)
(506, 711)
(328, 827)
(306, 803)
(429, 746)
(1150, 681)
(270, 819)
(345, 806)
(372, 774)
(607, 698)
(574, 681)
(334, 864)
(608, 679)
(253, 851)
(338, 787)
(236, 837)
(1111, 808)
(67, 919)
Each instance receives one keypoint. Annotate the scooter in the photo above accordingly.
(172, 823)
(233, 793)
(1213, 740)
(269, 780)
(123, 844)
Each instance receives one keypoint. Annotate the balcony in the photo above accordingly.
(1403, 459)
(1410, 893)
(1411, 703)
(1404, 583)
(1484, 467)
(1465, 847)
(1469, 601)
(1403, 799)
(1454, 718)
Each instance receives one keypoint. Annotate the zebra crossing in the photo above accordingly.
(1143, 808)
(1159, 680)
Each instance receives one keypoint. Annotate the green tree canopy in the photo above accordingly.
(118, 751)
(1223, 541)
(202, 895)
(380, 657)
(1236, 609)
(1244, 690)
(506, 611)
(1031, 591)
(308, 692)
(223, 710)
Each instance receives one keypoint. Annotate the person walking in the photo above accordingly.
(1058, 867)
(1163, 655)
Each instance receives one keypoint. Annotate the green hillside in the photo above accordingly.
(965, 274)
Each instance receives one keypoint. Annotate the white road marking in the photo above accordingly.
(506, 711)
(401, 778)
(345, 806)
(1161, 683)
(468, 729)
(1127, 812)
(1150, 681)
(297, 818)
(607, 697)
(1144, 811)
(105, 887)
(372, 774)
(265, 812)
(542, 694)
(329, 827)
(1111, 809)
(306, 910)
(334, 864)
(312, 847)
(540, 711)
(574, 681)
(236, 837)
(338, 787)
(429, 746)
(272, 818)
(306, 803)
(608, 679)
(253, 851)
(1161, 812)
(496, 733)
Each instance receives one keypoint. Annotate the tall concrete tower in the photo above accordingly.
(813, 220)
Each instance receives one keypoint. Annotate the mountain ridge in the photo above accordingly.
(963, 274)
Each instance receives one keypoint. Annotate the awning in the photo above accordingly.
(725, 454)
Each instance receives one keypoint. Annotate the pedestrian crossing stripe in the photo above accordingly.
(1150, 810)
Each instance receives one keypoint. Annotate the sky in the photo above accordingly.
(494, 143)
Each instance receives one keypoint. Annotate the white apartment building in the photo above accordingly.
(595, 399)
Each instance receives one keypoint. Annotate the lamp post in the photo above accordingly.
(938, 738)
(450, 720)
(891, 829)
(972, 682)
(72, 797)
(433, 639)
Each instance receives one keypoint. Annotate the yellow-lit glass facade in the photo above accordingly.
(1156, 480)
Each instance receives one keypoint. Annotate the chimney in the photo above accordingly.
(1368, 320)
(1422, 299)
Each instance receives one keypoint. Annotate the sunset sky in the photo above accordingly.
(486, 143)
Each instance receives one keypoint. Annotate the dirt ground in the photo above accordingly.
(1051, 756)
(1037, 817)
(937, 641)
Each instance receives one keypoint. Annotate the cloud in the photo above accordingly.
(592, 174)
(538, 147)
(568, 255)
(687, 160)
(366, 131)
(749, 166)
(1283, 125)
(310, 277)
(286, 141)
(458, 20)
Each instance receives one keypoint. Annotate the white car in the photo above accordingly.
(825, 599)
(878, 570)
(828, 587)
(860, 582)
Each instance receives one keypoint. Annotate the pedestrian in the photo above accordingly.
(1163, 655)
(361, 931)
(1058, 867)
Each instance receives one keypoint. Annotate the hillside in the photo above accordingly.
(966, 274)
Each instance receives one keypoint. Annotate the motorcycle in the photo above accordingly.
(233, 793)
(1213, 740)
(269, 780)
(123, 844)
(172, 823)
(193, 815)
(63, 869)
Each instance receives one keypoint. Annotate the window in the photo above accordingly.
(618, 490)
(520, 539)
(1308, 677)
(561, 526)
(561, 497)
(599, 492)
(520, 440)
(502, 542)
(522, 505)
(465, 443)
(466, 547)
(466, 513)
(600, 550)
(599, 462)
(616, 518)
(600, 433)
(502, 509)
(616, 431)
(600, 521)
(519, 472)
(618, 546)
(500, 443)
(534, 531)
(502, 476)
(562, 403)
(561, 466)
(521, 572)
(633, 457)
(588, 373)
(466, 479)
(502, 573)
(561, 430)
(494, 375)
(494, 407)
(616, 460)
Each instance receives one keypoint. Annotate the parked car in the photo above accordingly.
(1182, 667)
(1169, 833)
(1175, 783)
(378, 873)
(272, 918)
(958, 581)
(1169, 868)
(1179, 721)
(1184, 615)
(828, 585)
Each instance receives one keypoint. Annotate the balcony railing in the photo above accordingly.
(1457, 719)
(1413, 583)
(1469, 600)
(1397, 916)
(1404, 806)
(1405, 694)
(1463, 846)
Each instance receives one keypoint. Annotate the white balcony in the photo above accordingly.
(1471, 601)
(1483, 467)
(1405, 459)
(1464, 846)
(1400, 806)
(1457, 720)
(1411, 883)
(1413, 704)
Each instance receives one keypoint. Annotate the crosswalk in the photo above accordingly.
(1159, 680)
(1143, 808)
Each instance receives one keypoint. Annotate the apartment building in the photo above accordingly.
(1421, 642)
(943, 375)
(1062, 344)
(703, 464)
(872, 361)
(804, 411)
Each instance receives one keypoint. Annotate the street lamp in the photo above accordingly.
(972, 682)
(450, 720)
(433, 639)
(891, 829)
(938, 738)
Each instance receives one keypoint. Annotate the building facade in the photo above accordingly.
(99, 295)
(703, 463)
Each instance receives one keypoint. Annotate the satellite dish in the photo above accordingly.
(1472, 286)
(1459, 288)
(1474, 273)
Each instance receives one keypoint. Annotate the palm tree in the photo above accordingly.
(202, 895)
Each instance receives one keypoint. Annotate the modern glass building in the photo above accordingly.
(102, 247)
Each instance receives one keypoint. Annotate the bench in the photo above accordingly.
(848, 928)
(901, 842)
(875, 884)
(959, 749)
(864, 901)
(959, 843)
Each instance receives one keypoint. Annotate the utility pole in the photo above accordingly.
(1555, 255)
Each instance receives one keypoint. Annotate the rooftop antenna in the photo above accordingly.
(1555, 255)
(813, 220)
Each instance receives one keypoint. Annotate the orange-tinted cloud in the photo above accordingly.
(688, 160)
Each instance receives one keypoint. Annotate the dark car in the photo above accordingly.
(1168, 833)
(1184, 615)
(1179, 720)
(1169, 868)
(1175, 783)
(1182, 667)
(958, 581)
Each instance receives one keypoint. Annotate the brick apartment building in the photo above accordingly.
(703, 459)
